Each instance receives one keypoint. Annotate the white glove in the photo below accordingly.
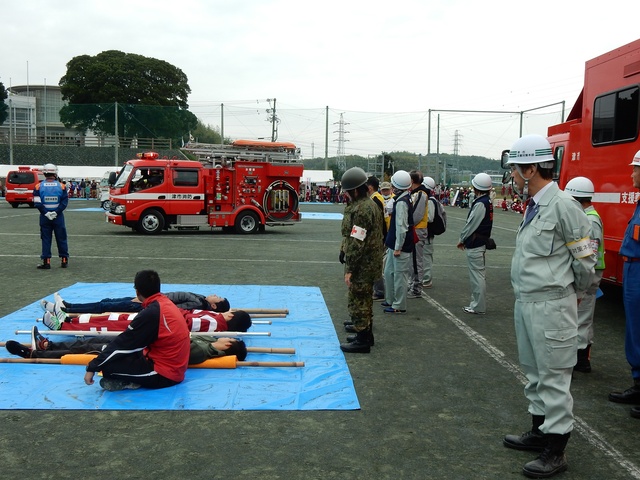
(51, 215)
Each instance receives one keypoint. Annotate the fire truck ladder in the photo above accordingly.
(209, 153)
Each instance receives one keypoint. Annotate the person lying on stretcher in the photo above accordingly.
(186, 300)
(203, 347)
(197, 321)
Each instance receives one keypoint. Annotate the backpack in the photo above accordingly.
(439, 224)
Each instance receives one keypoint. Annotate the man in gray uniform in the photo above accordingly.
(552, 266)
(473, 240)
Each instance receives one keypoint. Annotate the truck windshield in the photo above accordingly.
(122, 178)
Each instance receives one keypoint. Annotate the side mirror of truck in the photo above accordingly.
(112, 178)
(504, 158)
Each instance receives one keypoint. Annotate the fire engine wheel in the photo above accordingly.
(151, 222)
(247, 222)
(14, 204)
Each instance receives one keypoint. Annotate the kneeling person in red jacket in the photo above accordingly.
(154, 350)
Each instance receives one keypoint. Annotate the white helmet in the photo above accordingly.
(531, 149)
(401, 180)
(482, 182)
(580, 187)
(636, 159)
(50, 169)
(429, 182)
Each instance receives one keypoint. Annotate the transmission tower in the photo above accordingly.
(457, 140)
(340, 160)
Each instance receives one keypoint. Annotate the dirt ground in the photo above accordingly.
(438, 392)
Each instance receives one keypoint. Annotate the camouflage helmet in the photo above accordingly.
(353, 178)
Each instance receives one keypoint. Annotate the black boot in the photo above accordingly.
(584, 360)
(361, 344)
(351, 328)
(630, 395)
(352, 338)
(46, 264)
(552, 460)
(533, 440)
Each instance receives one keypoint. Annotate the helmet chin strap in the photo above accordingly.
(525, 190)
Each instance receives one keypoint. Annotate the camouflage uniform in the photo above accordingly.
(363, 258)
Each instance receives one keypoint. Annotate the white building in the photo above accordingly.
(34, 117)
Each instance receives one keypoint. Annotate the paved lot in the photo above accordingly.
(438, 391)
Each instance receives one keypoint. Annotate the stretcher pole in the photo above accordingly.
(286, 351)
(229, 361)
(284, 311)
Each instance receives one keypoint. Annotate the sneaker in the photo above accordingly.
(16, 348)
(385, 304)
(471, 310)
(46, 306)
(58, 310)
(427, 284)
(45, 265)
(51, 321)
(64, 262)
(414, 295)
(59, 302)
(114, 385)
(377, 298)
(394, 310)
(38, 341)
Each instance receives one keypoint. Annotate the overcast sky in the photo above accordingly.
(383, 65)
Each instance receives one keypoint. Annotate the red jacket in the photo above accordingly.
(160, 332)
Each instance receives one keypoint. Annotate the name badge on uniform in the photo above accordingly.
(359, 233)
(580, 248)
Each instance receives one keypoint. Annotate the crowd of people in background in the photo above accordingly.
(83, 188)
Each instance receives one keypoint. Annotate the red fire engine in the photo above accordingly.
(598, 141)
(20, 184)
(243, 186)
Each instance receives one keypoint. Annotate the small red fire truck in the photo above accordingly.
(243, 186)
(598, 141)
(20, 184)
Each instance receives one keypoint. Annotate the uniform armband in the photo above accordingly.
(580, 248)
(358, 233)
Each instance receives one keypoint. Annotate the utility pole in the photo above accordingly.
(273, 118)
(116, 136)
(222, 124)
(11, 129)
(341, 161)
(326, 138)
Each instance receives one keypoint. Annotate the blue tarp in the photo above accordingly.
(324, 383)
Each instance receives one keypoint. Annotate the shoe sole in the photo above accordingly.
(530, 474)
(112, 385)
